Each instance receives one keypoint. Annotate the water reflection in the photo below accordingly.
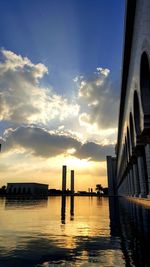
(130, 222)
(17, 203)
(101, 232)
(114, 217)
(63, 209)
(72, 208)
(99, 201)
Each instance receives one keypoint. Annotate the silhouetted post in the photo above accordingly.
(72, 182)
(64, 172)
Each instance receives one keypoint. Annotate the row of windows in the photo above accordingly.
(23, 190)
(19, 190)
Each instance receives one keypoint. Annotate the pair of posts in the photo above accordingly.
(64, 179)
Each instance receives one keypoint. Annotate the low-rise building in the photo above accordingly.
(33, 189)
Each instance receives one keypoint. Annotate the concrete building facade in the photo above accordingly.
(133, 144)
(33, 189)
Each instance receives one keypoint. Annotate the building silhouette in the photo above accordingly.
(111, 174)
(32, 189)
(133, 144)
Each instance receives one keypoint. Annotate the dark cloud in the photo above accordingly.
(39, 141)
(45, 144)
(94, 151)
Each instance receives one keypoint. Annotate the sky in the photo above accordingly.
(60, 72)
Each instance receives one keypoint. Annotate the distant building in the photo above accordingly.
(85, 193)
(33, 189)
(54, 192)
(111, 174)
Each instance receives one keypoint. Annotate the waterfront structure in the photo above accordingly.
(64, 176)
(72, 181)
(111, 174)
(33, 189)
(133, 144)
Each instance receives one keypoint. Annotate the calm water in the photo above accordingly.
(79, 231)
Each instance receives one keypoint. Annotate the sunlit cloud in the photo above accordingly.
(16, 63)
(98, 101)
(23, 99)
(105, 72)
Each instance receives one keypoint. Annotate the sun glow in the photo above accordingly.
(74, 162)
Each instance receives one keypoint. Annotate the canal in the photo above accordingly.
(74, 231)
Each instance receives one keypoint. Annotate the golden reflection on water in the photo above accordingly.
(74, 225)
(43, 215)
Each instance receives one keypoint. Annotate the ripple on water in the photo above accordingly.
(82, 232)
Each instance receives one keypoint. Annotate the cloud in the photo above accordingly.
(94, 152)
(42, 143)
(16, 63)
(4, 167)
(23, 99)
(38, 141)
(78, 78)
(105, 72)
(98, 101)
